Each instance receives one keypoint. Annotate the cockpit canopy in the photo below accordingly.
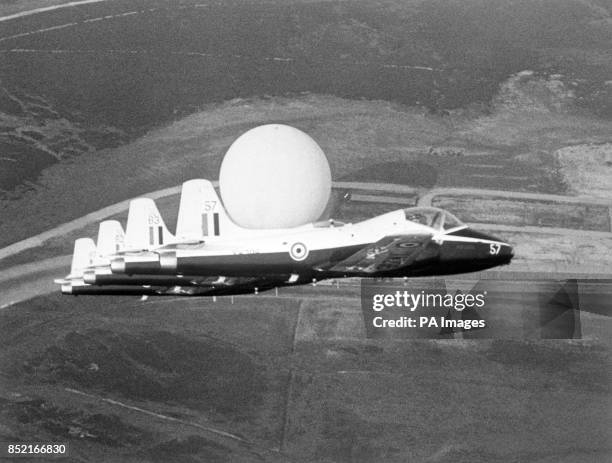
(433, 217)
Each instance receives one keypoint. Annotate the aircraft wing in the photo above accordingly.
(390, 253)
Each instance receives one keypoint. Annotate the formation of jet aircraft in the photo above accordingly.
(210, 255)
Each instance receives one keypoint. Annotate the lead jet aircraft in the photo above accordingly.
(210, 255)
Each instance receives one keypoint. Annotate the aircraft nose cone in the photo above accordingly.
(498, 250)
(506, 252)
(486, 248)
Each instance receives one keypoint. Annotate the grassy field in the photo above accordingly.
(149, 360)
(366, 141)
(588, 168)
(506, 88)
(552, 250)
(291, 374)
(530, 213)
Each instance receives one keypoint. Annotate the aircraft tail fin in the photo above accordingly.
(83, 256)
(145, 227)
(111, 238)
(201, 214)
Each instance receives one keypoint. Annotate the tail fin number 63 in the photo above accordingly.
(209, 205)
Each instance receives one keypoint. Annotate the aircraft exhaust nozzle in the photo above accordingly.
(118, 265)
(146, 262)
(168, 261)
(92, 275)
(89, 277)
(66, 289)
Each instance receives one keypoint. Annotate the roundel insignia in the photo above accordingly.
(298, 251)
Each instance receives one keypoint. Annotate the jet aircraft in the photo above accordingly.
(211, 255)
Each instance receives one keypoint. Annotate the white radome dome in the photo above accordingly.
(274, 176)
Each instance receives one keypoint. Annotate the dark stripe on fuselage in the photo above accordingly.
(216, 223)
(118, 290)
(159, 280)
(263, 263)
(143, 267)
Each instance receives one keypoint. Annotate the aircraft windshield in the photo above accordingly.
(432, 217)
